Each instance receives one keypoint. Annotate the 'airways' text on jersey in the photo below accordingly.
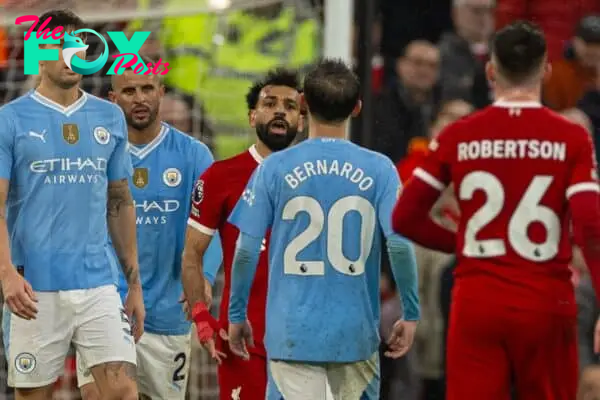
(155, 212)
(60, 171)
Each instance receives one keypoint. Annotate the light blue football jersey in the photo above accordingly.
(164, 173)
(327, 202)
(59, 161)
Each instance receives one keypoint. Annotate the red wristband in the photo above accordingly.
(201, 314)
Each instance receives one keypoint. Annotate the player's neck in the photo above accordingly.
(319, 130)
(146, 135)
(64, 97)
(518, 94)
(262, 149)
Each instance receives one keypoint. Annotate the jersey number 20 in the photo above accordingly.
(528, 211)
(333, 227)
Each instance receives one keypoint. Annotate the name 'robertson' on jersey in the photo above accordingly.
(511, 149)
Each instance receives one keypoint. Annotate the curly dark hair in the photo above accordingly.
(276, 77)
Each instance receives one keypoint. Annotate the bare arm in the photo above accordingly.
(121, 226)
(196, 244)
(5, 260)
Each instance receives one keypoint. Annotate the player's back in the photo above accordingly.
(61, 161)
(164, 173)
(325, 252)
(511, 165)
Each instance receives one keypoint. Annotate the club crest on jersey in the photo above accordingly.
(172, 177)
(198, 194)
(25, 363)
(140, 177)
(101, 135)
(71, 133)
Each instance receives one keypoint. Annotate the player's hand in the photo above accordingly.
(19, 295)
(206, 327)
(240, 337)
(134, 308)
(589, 385)
(401, 338)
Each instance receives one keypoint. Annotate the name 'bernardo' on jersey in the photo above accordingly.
(508, 148)
(309, 169)
(154, 212)
(60, 171)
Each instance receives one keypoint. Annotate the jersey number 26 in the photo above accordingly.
(334, 228)
(528, 211)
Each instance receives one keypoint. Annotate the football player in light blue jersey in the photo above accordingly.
(166, 166)
(328, 203)
(64, 168)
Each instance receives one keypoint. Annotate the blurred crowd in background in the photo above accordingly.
(428, 70)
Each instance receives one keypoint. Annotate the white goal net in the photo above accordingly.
(215, 49)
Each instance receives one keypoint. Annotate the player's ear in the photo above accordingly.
(252, 118)
(357, 109)
(547, 72)
(112, 96)
(490, 73)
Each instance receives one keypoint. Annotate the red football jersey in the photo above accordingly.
(514, 166)
(222, 185)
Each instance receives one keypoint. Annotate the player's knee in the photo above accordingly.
(116, 381)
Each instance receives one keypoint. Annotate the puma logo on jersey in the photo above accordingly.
(40, 136)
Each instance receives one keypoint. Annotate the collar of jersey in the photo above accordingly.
(517, 104)
(68, 111)
(254, 153)
(143, 152)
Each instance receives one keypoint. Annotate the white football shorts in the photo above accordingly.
(92, 319)
(163, 363)
(324, 381)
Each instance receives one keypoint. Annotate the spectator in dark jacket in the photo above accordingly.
(405, 109)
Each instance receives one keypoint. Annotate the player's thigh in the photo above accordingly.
(36, 349)
(85, 380)
(358, 380)
(297, 381)
(247, 379)
(477, 365)
(163, 364)
(103, 341)
(543, 351)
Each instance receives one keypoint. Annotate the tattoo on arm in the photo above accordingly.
(119, 196)
(131, 273)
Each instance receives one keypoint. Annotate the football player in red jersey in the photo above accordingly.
(521, 173)
(274, 111)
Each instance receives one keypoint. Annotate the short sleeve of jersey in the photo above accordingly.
(119, 165)
(253, 213)
(6, 142)
(435, 169)
(583, 175)
(208, 202)
(387, 195)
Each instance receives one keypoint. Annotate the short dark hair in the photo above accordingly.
(331, 91)
(276, 77)
(588, 29)
(65, 18)
(520, 49)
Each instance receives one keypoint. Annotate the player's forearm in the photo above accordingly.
(122, 229)
(192, 264)
(245, 262)
(404, 267)
(411, 218)
(5, 260)
(585, 213)
(213, 258)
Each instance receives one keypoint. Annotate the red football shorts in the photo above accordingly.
(491, 351)
(246, 378)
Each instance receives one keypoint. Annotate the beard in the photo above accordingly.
(141, 124)
(274, 141)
